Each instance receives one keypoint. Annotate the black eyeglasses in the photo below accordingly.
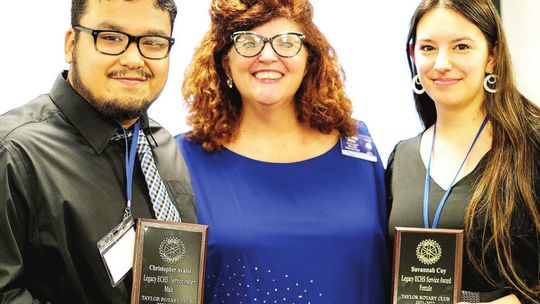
(112, 42)
(250, 44)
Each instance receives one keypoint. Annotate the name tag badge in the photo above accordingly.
(358, 146)
(117, 250)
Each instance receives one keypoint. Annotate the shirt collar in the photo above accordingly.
(96, 128)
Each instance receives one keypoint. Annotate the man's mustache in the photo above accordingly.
(137, 74)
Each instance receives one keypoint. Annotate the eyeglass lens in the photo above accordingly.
(114, 43)
(285, 45)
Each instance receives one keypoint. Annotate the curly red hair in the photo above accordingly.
(214, 108)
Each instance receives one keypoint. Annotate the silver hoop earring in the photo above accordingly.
(489, 83)
(417, 86)
(230, 83)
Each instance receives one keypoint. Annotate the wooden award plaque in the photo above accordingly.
(427, 266)
(169, 262)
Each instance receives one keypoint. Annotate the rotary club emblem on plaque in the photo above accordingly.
(172, 250)
(428, 252)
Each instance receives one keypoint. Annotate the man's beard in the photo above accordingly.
(119, 109)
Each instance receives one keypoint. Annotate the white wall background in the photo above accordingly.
(521, 20)
(369, 37)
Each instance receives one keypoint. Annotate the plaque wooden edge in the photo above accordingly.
(458, 261)
(395, 263)
(459, 266)
(139, 242)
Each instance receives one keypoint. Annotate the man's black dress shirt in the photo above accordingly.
(62, 188)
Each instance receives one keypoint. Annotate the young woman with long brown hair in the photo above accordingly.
(476, 120)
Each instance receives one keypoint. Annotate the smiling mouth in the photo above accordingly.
(266, 75)
(444, 82)
(129, 80)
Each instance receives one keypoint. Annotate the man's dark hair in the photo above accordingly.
(78, 7)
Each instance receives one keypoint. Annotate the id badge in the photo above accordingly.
(358, 146)
(117, 250)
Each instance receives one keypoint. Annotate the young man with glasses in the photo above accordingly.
(67, 180)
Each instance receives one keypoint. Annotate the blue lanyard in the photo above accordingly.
(445, 196)
(130, 164)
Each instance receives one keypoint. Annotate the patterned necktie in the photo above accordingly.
(162, 204)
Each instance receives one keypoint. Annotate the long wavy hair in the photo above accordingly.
(214, 108)
(508, 187)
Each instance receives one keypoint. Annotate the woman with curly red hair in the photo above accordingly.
(291, 186)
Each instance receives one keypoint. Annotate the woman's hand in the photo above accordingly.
(511, 299)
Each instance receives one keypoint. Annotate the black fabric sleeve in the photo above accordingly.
(389, 198)
(14, 226)
(388, 179)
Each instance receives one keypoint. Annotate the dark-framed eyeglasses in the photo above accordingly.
(111, 42)
(250, 44)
